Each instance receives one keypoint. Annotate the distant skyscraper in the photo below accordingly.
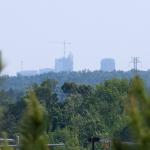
(64, 64)
(108, 65)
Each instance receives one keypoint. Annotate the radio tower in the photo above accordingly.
(135, 61)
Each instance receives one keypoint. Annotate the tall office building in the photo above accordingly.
(64, 64)
(108, 65)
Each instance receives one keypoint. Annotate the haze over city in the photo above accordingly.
(75, 75)
(96, 29)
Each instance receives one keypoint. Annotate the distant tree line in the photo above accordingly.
(82, 77)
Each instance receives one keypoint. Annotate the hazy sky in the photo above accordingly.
(96, 29)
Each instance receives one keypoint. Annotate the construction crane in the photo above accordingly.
(63, 43)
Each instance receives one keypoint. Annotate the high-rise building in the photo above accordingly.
(108, 65)
(64, 64)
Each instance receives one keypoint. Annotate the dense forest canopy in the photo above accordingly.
(85, 111)
(71, 107)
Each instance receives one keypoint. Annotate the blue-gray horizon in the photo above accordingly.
(96, 29)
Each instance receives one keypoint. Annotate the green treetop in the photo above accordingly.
(33, 127)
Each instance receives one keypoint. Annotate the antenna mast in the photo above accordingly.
(63, 43)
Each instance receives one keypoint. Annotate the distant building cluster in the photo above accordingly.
(45, 70)
(108, 65)
(27, 73)
(64, 64)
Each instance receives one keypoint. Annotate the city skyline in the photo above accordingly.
(115, 29)
(39, 70)
(66, 64)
